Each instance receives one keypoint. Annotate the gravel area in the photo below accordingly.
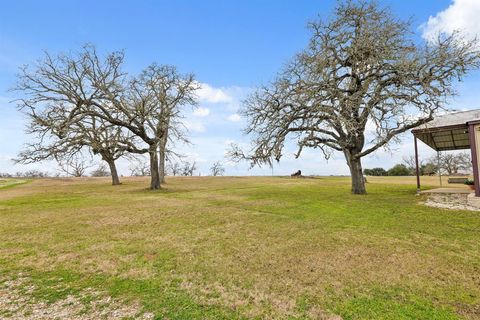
(17, 302)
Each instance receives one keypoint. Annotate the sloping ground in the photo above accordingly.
(233, 248)
(10, 182)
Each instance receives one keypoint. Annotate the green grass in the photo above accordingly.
(8, 182)
(241, 248)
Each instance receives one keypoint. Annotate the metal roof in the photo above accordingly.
(448, 131)
(451, 119)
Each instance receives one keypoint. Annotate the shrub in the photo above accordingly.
(399, 170)
(375, 172)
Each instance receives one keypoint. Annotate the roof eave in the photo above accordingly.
(443, 128)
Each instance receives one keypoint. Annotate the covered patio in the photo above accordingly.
(453, 131)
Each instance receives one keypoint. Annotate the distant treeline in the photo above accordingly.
(27, 174)
(402, 170)
(446, 163)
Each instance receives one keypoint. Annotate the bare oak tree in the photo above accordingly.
(100, 171)
(175, 168)
(452, 163)
(150, 108)
(139, 167)
(217, 169)
(95, 103)
(361, 69)
(52, 90)
(189, 168)
(75, 165)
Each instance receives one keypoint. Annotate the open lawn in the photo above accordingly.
(234, 248)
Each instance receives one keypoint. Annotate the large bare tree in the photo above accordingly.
(151, 109)
(91, 94)
(54, 88)
(362, 69)
(167, 92)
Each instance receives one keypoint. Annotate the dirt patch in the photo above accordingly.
(17, 302)
(449, 201)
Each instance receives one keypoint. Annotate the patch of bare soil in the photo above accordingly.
(449, 201)
(17, 302)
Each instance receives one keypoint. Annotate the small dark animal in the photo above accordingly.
(297, 174)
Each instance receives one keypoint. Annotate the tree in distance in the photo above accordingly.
(217, 169)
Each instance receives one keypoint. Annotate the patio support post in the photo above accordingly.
(439, 168)
(473, 149)
(417, 169)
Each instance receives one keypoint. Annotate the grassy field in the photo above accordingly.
(7, 182)
(241, 248)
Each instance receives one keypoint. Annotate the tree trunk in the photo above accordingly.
(355, 165)
(154, 173)
(113, 172)
(161, 160)
(161, 166)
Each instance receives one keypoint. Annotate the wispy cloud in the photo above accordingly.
(201, 112)
(234, 117)
(195, 126)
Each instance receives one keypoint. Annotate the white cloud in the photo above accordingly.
(201, 112)
(195, 126)
(207, 93)
(234, 117)
(461, 15)
(194, 156)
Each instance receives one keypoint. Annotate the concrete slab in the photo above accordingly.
(473, 201)
(448, 190)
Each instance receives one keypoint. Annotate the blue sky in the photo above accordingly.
(231, 46)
